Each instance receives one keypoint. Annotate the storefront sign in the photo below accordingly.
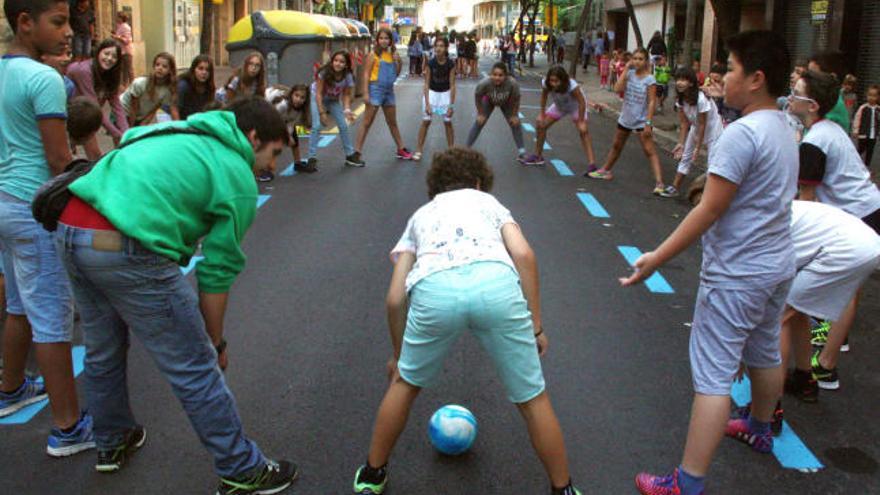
(819, 11)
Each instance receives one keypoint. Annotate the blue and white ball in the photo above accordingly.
(452, 429)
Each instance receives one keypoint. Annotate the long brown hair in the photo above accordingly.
(245, 80)
(170, 80)
(190, 76)
(106, 82)
(326, 71)
(377, 49)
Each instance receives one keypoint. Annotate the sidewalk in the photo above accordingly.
(607, 103)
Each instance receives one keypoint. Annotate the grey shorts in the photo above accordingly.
(825, 295)
(732, 326)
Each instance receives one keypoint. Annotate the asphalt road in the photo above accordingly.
(308, 343)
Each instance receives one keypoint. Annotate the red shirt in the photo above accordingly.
(80, 214)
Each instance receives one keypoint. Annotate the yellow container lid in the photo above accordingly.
(286, 23)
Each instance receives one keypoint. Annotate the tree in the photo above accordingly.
(689, 28)
(207, 35)
(534, 43)
(635, 22)
(579, 29)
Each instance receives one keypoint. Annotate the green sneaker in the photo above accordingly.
(362, 487)
(820, 333)
(275, 477)
(827, 379)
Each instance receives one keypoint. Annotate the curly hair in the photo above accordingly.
(459, 168)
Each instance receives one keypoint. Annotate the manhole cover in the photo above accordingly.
(851, 460)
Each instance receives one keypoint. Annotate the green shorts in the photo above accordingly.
(487, 299)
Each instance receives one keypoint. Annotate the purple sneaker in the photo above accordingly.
(739, 429)
(649, 484)
(533, 160)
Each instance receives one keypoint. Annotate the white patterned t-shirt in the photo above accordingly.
(456, 228)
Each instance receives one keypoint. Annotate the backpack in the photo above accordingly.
(52, 197)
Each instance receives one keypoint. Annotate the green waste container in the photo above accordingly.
(293, 43)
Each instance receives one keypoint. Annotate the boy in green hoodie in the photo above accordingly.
(139, 214)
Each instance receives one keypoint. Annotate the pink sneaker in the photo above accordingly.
(739, 429)
(404, 154)
(649, 484)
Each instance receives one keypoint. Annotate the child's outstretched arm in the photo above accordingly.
(396, 301)
(717, 196)
(684, 128)
(527, 266)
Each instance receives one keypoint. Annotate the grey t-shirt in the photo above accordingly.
(566, 102)
(504, 94)
(750, 244)
(830, 161)
(635, 100)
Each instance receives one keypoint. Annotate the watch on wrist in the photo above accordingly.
(221, 346)
(649, 123)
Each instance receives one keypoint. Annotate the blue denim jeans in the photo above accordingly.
(334, 107)
(119, 286)
(36, 283)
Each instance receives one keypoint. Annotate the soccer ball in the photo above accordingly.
(452, 429)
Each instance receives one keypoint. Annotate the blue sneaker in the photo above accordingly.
(29, 392)
(65, 444)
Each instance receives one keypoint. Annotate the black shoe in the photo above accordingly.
(308, 167)
(354, 160)
(776, 424)
(275, 477)
(110, 461)
(802, 385)
(266, 176)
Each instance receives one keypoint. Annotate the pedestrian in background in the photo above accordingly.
(82, 21)
(123, 35)
(149, 94)
(866, 125)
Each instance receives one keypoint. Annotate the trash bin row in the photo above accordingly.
(294, 44)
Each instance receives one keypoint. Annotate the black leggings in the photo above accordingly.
(866, 149)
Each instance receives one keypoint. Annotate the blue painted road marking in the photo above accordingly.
(547, 146)
(592, 205)
(288, 172)
(562, 168)
(656, 282)
(530, 107)
(521, 115)
(788, 448)
(192, 265)
(262, 198)
(528, 127)
(325, 141)
(24, 415)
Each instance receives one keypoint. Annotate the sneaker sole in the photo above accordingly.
(112, 468)
(835, 385)
(355, 165)
(69, 450)
(277, 489)
(844, 348)
(21, 405)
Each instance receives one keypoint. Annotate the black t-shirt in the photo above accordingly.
(470, 49)
(440, 75)
(80, 22)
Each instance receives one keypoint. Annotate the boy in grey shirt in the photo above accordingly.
(748, 262)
